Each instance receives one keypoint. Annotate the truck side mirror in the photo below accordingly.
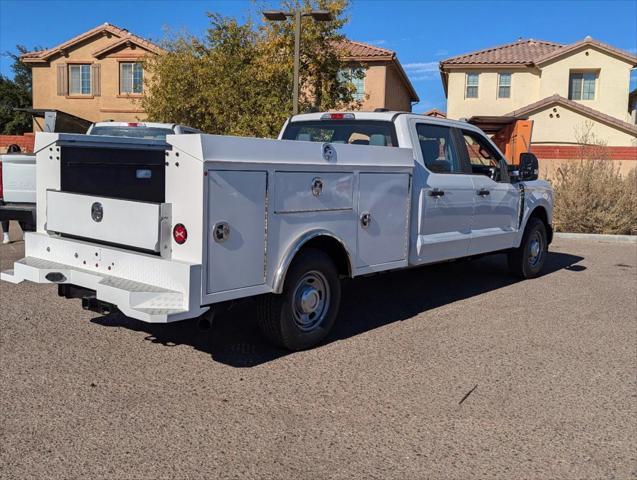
(529, 167)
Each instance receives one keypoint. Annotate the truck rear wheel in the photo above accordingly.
(304, 313)
(527, 260)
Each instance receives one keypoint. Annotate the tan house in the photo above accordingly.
(98, 75)
(564, 89)
(385, 83)
(95, 76)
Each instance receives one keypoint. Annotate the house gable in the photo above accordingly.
(119, 38)
(558, 120)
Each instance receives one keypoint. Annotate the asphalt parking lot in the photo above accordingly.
(455, 371)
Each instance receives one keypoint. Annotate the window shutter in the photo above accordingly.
(63, 84)
(95, 75)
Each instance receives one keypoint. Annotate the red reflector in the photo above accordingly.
(180, 234)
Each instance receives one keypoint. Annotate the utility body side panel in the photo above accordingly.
(236, 233)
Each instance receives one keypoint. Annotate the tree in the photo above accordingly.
(237, 79)
(16, 93)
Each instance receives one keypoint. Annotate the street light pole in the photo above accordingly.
(297, 61)
(277, 16)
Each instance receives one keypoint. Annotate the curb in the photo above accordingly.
(597, 237)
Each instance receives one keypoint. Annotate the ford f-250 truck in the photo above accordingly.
(165, 234)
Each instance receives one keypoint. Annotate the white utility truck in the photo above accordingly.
(165, 233)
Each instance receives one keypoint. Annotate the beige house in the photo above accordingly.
(95, 76)
(385, 83)
(98, 75)
(564, 89)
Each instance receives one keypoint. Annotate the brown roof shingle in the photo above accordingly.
(359, 50)
(522, 52)
(121, 33)
(530, 52)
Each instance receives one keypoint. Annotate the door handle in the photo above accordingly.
(484, 192)
(436, 193)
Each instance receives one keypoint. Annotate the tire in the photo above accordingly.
(527, 260)
(305, 312)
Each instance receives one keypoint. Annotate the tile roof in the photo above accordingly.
(121, 33)
(530, 52)
(577, 107)
(359, 50)
(522, 52)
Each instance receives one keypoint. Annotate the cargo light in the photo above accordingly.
(180, 234)
(337, 116)
(135, 124)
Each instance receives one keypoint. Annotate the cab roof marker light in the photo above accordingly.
(337, 116)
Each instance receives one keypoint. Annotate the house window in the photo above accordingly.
(581, 85)
(504, 85)
(472, 85)
(355, 76)
(131, 77)
(79, 79)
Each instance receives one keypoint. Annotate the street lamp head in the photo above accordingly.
(321, 15)
(274, 16)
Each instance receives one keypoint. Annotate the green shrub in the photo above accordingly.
(591, 196)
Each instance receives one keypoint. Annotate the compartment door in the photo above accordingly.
(382, 218)
(236, 230)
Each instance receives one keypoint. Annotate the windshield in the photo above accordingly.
(354, 132)
(135, 132)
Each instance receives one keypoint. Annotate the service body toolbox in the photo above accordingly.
(162, 231)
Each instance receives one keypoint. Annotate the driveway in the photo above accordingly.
(455, 371)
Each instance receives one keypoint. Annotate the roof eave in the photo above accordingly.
(574, 106)
(363, 58)
(457, 66)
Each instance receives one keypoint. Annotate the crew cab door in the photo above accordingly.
(444, 194)
(496, 200)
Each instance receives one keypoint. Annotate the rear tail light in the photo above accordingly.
(180, 234)
(337, 116)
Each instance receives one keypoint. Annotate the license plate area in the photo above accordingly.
(139, 225)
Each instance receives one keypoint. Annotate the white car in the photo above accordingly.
(139, 129)
(165, 234)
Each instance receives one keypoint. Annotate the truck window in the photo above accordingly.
(353, 132)
(437, 148)
(483, 158)
(134, 132)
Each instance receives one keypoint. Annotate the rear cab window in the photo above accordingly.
(352, 132)
(134, 132)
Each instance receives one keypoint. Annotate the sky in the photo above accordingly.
(421, 32)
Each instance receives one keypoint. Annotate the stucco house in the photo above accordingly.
(95, 75)
(385, 83)
(564, 89)
(98, 75)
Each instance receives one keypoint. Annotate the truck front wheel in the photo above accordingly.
(527, 260)
(304, 313)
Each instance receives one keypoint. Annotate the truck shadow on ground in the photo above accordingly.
(368, 303)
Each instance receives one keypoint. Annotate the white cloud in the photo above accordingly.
(376, 42)
(441, 53)
(421, 70)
